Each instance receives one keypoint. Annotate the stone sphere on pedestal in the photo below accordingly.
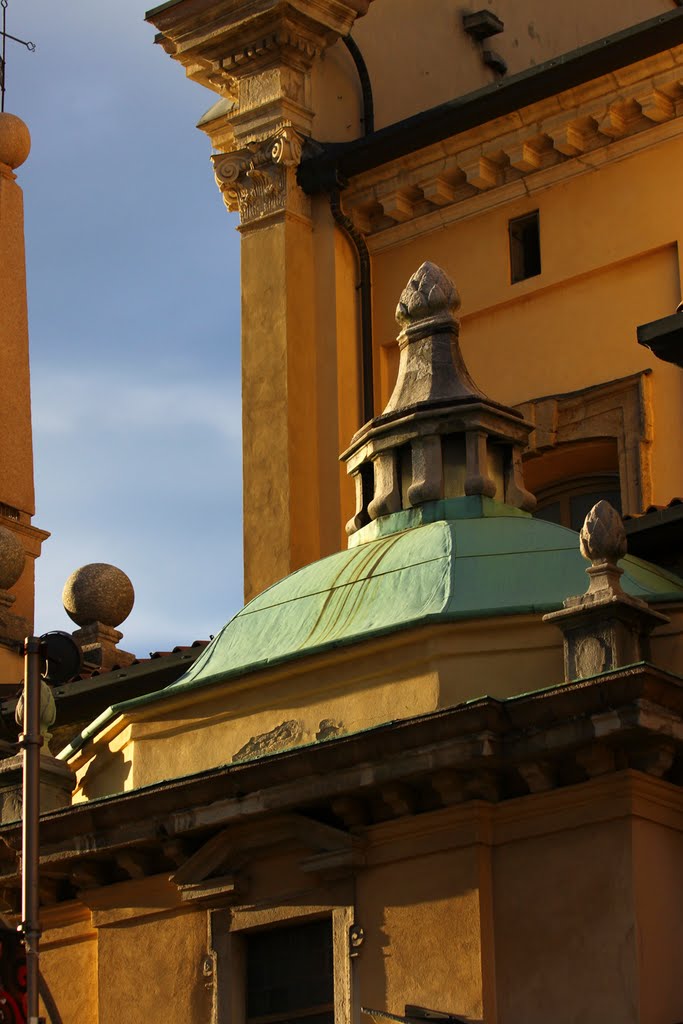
(15, 141)
(98, 593)
(12, 558)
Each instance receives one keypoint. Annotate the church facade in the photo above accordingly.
(432, 769)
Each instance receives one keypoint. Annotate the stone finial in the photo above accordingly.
(603, 537)
(15, 141)
(604, 628)
(431, 367)
(57, 781)
(439, 436)
(429, 294)
(98, 597)
(602, 542)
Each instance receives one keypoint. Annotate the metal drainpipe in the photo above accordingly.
(358, 241)
(364, 287)
(365, 85)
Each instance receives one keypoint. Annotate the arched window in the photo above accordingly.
(570, 478)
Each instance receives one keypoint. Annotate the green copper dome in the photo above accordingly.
(468, 558)
(490, 560)
(427, 543)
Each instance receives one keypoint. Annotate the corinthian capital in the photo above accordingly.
(260, 180)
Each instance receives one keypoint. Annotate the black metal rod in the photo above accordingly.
(3, 64)
(31, 742)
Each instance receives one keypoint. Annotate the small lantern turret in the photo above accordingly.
(439, 437)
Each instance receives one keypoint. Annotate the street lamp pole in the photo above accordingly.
(31, 742)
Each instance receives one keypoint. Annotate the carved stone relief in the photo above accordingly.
(260, 180)
(284, 735)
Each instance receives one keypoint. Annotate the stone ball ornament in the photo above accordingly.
(12, 558)
(98, 592)
(15, 141)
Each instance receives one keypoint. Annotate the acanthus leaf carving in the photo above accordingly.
(259, 180)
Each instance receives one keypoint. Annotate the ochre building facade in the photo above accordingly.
(431, 770)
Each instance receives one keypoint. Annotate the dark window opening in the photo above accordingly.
(569, 502)
(525, 247)
(290, 975)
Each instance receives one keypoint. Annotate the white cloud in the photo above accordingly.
(77, 403)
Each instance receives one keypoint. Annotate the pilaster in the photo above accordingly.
(258, 58)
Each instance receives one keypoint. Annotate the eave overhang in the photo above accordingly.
(487, 750)
(664, 337)
(335, 163)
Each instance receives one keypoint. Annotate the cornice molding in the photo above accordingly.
(220, 43)
(530, 149)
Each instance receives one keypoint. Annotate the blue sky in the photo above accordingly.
(133, 279)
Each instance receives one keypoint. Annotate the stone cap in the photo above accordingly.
(15, 141)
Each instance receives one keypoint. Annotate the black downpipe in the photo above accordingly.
(366, 87)
(364, 287)
(358, 241)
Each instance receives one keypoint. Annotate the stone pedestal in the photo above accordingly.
(98, 644)
(602, 635)
(605, 628)
(57, 783)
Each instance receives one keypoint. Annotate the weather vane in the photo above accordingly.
(4, 35)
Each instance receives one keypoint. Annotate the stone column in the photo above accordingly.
(17, 501)
(259, 59)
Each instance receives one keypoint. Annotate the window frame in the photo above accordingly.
(519, 257)
(227, 930)
(562, 492)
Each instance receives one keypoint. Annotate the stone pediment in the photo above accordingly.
(216, 869)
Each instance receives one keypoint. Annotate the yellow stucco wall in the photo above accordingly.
(562, 904)
(151, 969)
(610, 246)
(372, 683)
(425, 913)
(658, 892)
(570, 923)
(418, 57)
(69, 963)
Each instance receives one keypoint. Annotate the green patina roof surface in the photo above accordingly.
(440, 572)
(490, 560)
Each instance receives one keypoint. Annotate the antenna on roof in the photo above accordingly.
(4, 35)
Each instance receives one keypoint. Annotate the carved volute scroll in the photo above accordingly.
(260, 180)
(439, 436)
